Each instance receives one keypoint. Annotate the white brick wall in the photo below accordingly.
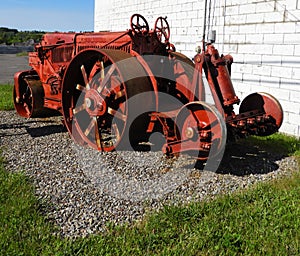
(263, 36)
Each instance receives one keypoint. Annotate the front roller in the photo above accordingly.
(97, 87)
(28, 95)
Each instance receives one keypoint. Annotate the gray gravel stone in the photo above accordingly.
(84, 190)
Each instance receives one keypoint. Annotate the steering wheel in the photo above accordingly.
(162, 29)
(139, 27)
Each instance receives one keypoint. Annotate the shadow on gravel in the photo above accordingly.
(12, 126)
(45, 130)
(5, 129)
(244, 158)
(9, 129)
(20, 125)
(241, 158)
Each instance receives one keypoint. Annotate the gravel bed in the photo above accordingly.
(83, 190)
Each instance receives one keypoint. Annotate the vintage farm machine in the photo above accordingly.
(116, 89)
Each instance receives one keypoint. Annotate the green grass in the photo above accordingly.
(6, 98)
(277, 143)
(262, 220)
(22, 228)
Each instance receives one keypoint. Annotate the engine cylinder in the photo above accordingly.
(226, 87)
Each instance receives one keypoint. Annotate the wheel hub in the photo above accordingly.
(189, 132)
(94, 103)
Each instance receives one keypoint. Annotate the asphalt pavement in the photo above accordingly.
(9, 65)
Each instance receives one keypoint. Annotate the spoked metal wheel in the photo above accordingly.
(202, 130)
(139, 24)
(162, 29)
(96, 90)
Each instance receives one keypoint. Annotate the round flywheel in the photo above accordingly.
(97, 87)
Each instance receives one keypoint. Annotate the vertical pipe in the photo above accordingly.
(204, 27)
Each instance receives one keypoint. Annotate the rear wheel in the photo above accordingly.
(97, 87)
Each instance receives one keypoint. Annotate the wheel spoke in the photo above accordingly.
(89, 128)
(26, 107)
(83, 71)
(116, 131)
(120, 94)
(80, 88)
(102, 74)
(78, 109)
(97, 134)
(96, 68)
(106, 78)
(214, 123)
(193, 113)
(117, 114)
